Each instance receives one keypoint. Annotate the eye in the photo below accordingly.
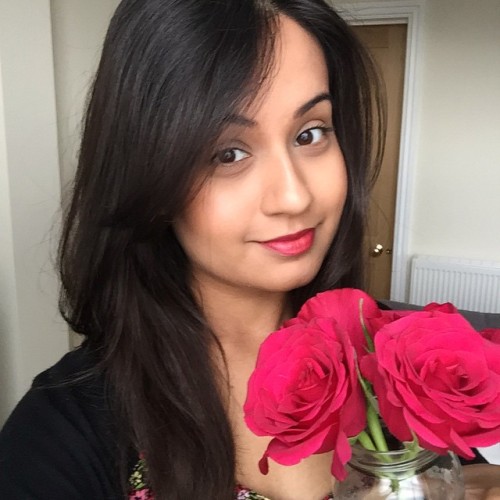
(312, 135)
(230, 155)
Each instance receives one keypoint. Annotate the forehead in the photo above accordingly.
(294, 42)
(298, 72)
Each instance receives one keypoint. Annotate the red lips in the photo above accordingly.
(292, 244)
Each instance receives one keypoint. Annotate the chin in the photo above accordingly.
(290, 282)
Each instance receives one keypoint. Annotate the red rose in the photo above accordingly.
(433, 374)
(491, 334)
(304, 393)
(446, 307)
(342, 305)
(380, 318)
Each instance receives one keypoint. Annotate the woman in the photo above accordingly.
(223, 178)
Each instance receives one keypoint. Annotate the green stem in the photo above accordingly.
(378, 437)
(366, 441)
(376, 430)
(366, 333)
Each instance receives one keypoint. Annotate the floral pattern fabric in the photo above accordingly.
(139, 489)
(138, 482)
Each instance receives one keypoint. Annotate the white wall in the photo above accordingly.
(457, 181)
(31, 334)
(455, 205)
(78, 32)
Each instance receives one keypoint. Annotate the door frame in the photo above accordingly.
(409, 12)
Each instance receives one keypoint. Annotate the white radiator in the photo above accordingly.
(472, 285)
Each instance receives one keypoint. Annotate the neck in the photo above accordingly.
(241, 319)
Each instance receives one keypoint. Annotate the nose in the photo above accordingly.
(286, 188)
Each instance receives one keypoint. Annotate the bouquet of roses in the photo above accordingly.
(344, 370)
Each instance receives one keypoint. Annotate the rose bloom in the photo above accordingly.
(433, 374)
(304, 393)
(343, 306)
(378, 318)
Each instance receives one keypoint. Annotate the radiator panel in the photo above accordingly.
(473, 285)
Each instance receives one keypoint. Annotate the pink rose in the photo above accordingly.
(342, 306)
(491, 334)
(379, 319)
(304, 393)
(434, 374)
(446, 307)
(382, 318)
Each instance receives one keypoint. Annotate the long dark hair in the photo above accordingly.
(170, 74)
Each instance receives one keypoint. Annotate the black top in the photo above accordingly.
(60, 441)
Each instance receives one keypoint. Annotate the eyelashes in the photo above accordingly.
(312, 135)
(309, 137)
(230, 155)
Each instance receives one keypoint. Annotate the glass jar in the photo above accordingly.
(401, 475)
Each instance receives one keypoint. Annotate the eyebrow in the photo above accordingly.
(247, 122)
(324, 96)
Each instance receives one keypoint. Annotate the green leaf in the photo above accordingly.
(412, 447)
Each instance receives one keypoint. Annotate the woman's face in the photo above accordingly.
(267, 216)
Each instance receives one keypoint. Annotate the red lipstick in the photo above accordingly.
(292, 244)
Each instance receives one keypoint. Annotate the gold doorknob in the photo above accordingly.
(377, 251)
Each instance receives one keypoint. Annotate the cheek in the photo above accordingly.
(331, 186)
(210, 220)
(193, 227)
